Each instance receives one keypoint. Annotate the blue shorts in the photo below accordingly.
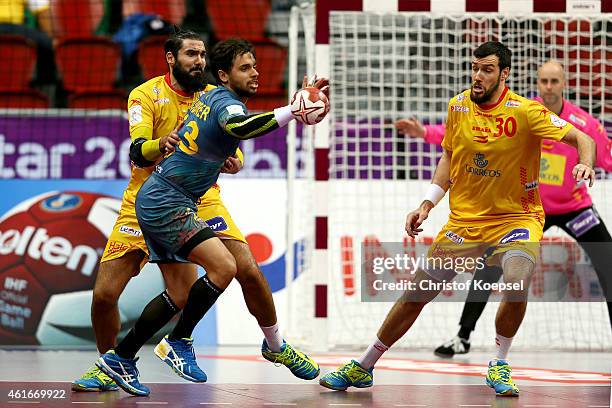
(169, 220)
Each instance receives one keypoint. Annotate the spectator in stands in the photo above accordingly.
(13, 21)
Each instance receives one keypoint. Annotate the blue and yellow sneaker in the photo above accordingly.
(349, 375)
(94, 380)
(297, 362)
(123, 371)
(498, 378)
(179, 355)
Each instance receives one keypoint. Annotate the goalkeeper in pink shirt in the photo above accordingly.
(567, 205)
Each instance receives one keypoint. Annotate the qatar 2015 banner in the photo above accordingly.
(69, 144)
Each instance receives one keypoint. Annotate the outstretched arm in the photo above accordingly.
(246, 127)
(249, 126)
(586, 155)
(413, 127)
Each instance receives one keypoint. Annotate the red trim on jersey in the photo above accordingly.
(489, 106)
(414, 5)
(481, 5)
(178, 91)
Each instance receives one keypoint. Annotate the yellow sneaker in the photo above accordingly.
(94, 380)
(498, 378)
(297, 362)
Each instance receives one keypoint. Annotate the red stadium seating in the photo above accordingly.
(239, 18)
(151, 57)
(24, 99)
(271, 63)
(98, 100)
(76, 18)
(172, 11)
(88, 63)
(263, 102)
(16, 52)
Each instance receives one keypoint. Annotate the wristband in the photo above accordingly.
(435, 193)
(283, 115)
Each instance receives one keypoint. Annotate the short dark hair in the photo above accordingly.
(224, 53)
(174, 43)
(495, 48)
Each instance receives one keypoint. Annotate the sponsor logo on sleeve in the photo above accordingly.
(577, 120)
(235, 110)
(460, 97)
(517, 234)
(135, 114)
(557, 121)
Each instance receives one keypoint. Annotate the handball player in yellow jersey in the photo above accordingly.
(490, 164)
(155, 110)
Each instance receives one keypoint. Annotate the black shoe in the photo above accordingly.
(456, 345)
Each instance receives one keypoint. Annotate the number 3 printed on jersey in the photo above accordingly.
(191, 147)
(505, 126)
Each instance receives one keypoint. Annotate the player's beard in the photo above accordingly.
(191, 81)
(243, 92)
(485, 95)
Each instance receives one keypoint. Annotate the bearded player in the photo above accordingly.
(490, 164)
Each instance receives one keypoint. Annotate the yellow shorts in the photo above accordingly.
(470, 246)
(126, 235)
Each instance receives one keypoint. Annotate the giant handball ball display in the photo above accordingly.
(309, 105)
(50, 249)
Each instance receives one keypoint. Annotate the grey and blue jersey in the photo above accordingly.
(166, 203)
(205, 142)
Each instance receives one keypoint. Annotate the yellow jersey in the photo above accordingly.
(13, 11)
(495, 161)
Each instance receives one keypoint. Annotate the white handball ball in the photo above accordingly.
(309, 105)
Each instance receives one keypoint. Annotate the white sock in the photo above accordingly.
(372, 354)
(502, 346)
(273, 337)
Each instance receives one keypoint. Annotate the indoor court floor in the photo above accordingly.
(240, 377)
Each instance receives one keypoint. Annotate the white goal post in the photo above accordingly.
(386, 66)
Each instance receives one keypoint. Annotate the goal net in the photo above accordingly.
(384, 67)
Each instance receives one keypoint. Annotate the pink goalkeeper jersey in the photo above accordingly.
(559, 191)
